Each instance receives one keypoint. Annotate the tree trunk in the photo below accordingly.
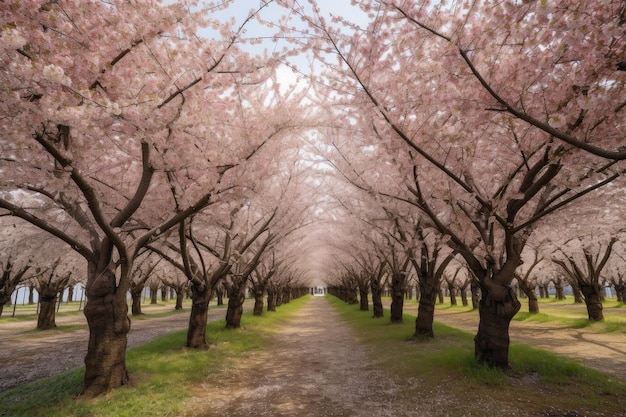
(397, 297)
(258, 303)
(426, 309)
(196, 332)
(154, 295)
(107, 316)
(363, 293)
(452, 291)
(234, 311)
(271, 299)
(464, 301)
(529, 291)
(180, 296)
(70, 293)
(135, 295)
(491, 344)
(593, 300)
(578, 295)
(377, 301)
(440, 295)
(164, 293)
(542, 292)
(560, 294)
(47, 310)
(220, 298)
(475, 290)
(31, 294)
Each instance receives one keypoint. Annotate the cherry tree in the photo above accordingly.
(17, 247)
(96, 118)
(527, 276)
(50, 283)
(583, 260)
(494, 146)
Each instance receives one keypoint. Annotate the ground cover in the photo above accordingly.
(163, 375)
(372, 368)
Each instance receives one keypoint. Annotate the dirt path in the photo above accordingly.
(312, 370)
(603, 351)
(27, 355)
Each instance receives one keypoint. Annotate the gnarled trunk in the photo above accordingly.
(234, 311)
(593, 301)
(258, 303)
(196, 332)
(426, 309)
(491, 343)
(46, 319)
(107, 316)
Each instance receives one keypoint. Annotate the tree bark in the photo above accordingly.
(578, 295)
(180, 296)
(377, 302)
(426, 309)
(107, 316)
(258, 303)
(363, 302)
(529, 291)
(70, 293)
(46, 319)
(491, 344)
(463, 292)
(196, 332)
(452, 291)
(593, 301)
(135, 295)
(475, 291)
(234, 311)
(271, 299)
(31, 294)
(397, 297)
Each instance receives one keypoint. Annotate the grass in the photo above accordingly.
(537, 379)
(163, 373)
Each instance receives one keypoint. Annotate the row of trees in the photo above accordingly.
(458, 150)
(137, 145)
(133, 135)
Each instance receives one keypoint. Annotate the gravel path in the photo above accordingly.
(43, 354)
(316, 367)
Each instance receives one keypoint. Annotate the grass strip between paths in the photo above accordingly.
(539, 383)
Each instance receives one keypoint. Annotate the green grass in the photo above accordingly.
(537, 378)
(163, 374)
